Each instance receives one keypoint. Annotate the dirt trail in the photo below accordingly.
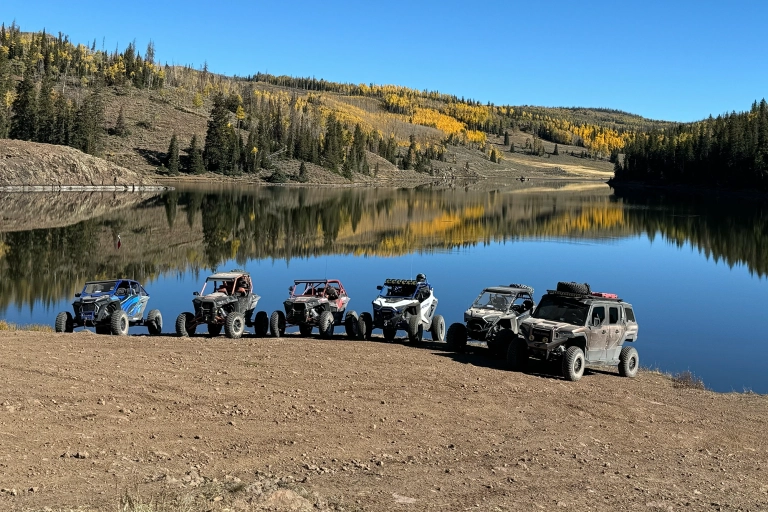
(362, 425)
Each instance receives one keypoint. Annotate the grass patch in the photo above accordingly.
(687, 380)
(8, 326)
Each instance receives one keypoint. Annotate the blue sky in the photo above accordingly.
(674, 60)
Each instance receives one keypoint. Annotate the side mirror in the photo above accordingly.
(379, 287)
(195, 293)
(291, 288)
(596, 321)
(77, 294)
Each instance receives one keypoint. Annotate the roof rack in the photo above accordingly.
(591, 295)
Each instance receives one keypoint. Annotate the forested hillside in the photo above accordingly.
(57, 91)
(730, 151)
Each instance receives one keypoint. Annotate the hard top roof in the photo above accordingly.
(109, 280)
(222, 276)
(507, 289)
(297, 281)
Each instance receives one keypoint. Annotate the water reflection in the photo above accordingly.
(74, 236)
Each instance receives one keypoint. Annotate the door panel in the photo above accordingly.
(597, 334)
(616, 326)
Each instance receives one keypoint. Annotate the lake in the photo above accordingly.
(693, 268)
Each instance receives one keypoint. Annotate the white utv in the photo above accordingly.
(405, 304)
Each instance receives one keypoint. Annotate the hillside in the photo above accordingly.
(126, 108)
(202, 424)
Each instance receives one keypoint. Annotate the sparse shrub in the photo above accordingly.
(687, 380)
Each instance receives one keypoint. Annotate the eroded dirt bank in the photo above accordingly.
(364, 425)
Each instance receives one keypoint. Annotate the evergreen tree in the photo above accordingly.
(24, 120)
(45, 111)
(88, 132)
(121, 130)
(217, 153)
(555, 151)
(303, 178)
(506, 138)
(172, 156)
(196, 165)
(63, 121)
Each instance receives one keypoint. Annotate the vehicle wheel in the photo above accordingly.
(457, 337)
(64, 322)
(154, 322)
(185, 324)
(365, 325)
(389, 334)
(103, 329)
(573, 363)
(571, 287)
(305, 330)
(351, 326)
(326, 324)
(214, 329)
(261, 324)
(277, 324)
(437, 329)
(234, 326)
(118, 323)
(629, 362)
(517, 351)
(415, 329)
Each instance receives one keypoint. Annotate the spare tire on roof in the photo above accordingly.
(571, 287)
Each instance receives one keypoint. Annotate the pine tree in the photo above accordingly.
(303, 178)
(506, 138)
(24, 120)
(121, 130)
(45, 112)
(172, 156)
(217, 153)
(88, 131)
(555, 151)
(196, 165)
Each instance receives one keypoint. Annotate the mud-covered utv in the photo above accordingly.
(111, 306)
(314, 303)
(580, 328)
(405, 304)
(496, 308)
(226, 300)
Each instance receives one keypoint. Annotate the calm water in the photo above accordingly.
(693, 268)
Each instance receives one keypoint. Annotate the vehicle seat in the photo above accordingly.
(332, 294)
(527, 304)
(122, 292)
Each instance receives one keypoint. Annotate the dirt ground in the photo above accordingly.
(300, 424)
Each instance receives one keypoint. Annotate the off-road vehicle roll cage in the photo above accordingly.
(496, 308)
(111, 306)
(230, 304)
(313, 303)
(407, 304)
(581, 327)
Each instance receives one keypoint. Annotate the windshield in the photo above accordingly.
(490, 300)
(99, 287)
(398, 290)
(561, 309)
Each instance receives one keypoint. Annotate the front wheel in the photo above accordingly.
(277, 324)
(351, 325)
(64, 322)
(234, 326)
(415, 329)
(365, 325)
(326, 324)
(629, 362)
(261, 324)
(185, 325)
(305, 330)
(154, 322)
(389, 333)
(517, 352)
(118, 323)
(437, 329)
(573, 363)
(457, 337)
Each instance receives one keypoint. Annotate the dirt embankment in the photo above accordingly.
(31, 163)
(86, 419)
